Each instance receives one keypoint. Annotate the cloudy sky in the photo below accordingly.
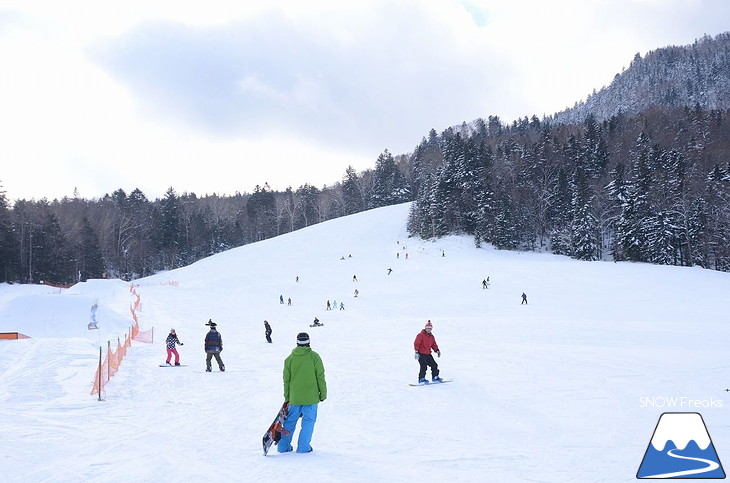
(219, 96)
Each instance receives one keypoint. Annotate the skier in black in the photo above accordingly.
(268, 331)
(524, 298)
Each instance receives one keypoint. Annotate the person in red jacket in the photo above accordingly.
(425, 343)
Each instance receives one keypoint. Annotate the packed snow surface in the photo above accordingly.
(568, 387)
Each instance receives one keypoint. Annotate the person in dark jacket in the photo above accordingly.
(213, 347)
(170, 343)
(304, 388)
(425, 343)
(268, 330)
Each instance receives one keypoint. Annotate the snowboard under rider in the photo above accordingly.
(425, 343)
(304, 388)
(170, 344)
(213, 347)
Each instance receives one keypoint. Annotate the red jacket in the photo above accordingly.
(425, 342)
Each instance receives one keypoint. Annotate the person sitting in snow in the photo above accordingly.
(316, 322)
(425, 343)
(170, 343)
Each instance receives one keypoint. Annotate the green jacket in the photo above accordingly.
(304, 382)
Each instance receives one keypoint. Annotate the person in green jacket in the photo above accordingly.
(304, 389)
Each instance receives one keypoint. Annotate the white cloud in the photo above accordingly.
(221, 96)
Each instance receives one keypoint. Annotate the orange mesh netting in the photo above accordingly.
(113, 359)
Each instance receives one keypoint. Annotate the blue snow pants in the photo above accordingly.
(308, 413)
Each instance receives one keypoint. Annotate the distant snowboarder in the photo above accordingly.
(354, 278)
(329, 306)
(281, 299)
(524, 298)
(425, 343)
(268, 331)
(390, 270)
(213, 347)
(356, 292)
(170, 344)
(342, 306)
(316, 323)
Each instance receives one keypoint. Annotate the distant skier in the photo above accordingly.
(268, 331)
(484, 283)
(425, 343)
(170, 343)
(213, 347)
(390, 270)
(281, 299)
(524, 298)
(329, 306)
(356, 292)
(354, 278)
(342, 306)
(288, 301)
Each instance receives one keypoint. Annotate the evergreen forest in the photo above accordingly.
(640, 172)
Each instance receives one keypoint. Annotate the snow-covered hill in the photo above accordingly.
(566, 388)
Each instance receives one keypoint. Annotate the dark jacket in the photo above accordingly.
(213, 341)
(267, 328)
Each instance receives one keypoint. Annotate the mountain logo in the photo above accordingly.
(680, 448)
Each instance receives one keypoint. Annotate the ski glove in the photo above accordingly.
(418, 356)
(438, 353)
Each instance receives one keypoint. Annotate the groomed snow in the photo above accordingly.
(565, 389)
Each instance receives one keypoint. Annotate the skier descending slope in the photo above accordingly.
(425, 342)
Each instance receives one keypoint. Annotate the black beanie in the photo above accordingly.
(303, 338)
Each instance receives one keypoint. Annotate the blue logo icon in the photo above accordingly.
(681, 448)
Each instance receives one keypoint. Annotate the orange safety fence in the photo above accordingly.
(110, 365)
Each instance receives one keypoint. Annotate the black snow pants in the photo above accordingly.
(427, 360)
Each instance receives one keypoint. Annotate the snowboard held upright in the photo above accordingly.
(273, 434)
